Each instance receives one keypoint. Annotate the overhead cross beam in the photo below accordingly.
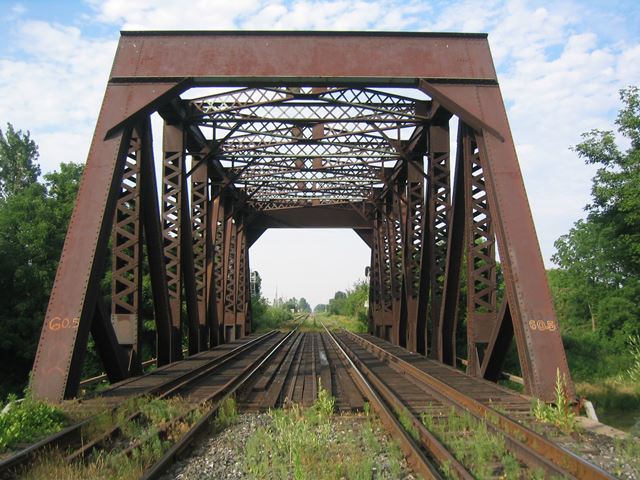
(301, 140)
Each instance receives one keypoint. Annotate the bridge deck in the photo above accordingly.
(309, 360)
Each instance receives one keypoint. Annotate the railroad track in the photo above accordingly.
(296, 374)
(423, 413)
(420, 402)
(206, 380)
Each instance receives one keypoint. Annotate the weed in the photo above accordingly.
(303, 444)
(627, 453)
(472, 444)
(227, 414)
(405, 420)
(325, 403)
(559, 413)
(28, 420)
(141, 432)
(447, 471)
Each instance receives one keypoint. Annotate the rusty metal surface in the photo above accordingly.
(305, 140)
(308, 55)
(497, 407)
(294, 374)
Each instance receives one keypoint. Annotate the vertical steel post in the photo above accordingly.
(230, 259)
(155, 249)
(481, 259)
(413, 245)
(215, 270)
(394, 239)
(126, 277)
(172, 200)
(455, 253)
(241, 281)
(199, 206)
(439, 205)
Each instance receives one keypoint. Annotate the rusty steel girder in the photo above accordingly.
(311, 140)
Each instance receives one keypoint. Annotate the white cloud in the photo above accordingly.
(56, 86)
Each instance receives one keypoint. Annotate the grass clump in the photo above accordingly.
(148, 427)
(227, 414)
(633, 372)
(28, 420)
(472, 444)
(560, 412)
(405, 420)
(627, 455)
(305, 444)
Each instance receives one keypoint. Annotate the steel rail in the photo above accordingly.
(414, 454)
(218, 397)
(526, 456)
(73, 434)
(528, 445)
(172, 388)
(112, 388)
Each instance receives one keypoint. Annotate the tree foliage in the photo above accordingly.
(33, 223)
(18, 157)
(352, 303)
(597, 285)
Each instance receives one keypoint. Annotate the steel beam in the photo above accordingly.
(439, 206)
(172, 201)
(333, 155)
(199, 206)
(155, 249)
(126, 276)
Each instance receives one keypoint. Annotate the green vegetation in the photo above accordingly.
(560, 413)
(27, 421)
(33, 222)
(336, 322)
(347, 309)
(226, 415)
(268, 317)
(304, 444)
(597, 285)
(143, 439)
(627, 455)
(474, 445)
(279, 314)
(405, 420)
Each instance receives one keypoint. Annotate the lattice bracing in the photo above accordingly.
(322, 141)
(354, 134)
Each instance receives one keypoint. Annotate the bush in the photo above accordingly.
(268, 317)
(27, 421)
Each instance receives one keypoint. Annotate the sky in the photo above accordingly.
(560, 66)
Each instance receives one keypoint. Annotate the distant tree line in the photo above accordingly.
(352, 303)
(273, 315)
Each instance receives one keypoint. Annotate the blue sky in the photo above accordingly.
(560, 66)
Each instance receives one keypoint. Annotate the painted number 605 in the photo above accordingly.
(541, 325)
(62, 323)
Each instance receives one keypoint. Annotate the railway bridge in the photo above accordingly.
(402, 137)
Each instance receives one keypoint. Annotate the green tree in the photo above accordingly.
(303, 305)
(613, 222)
(352, 303)
(18, 157)
(33, 225)
(597, 284)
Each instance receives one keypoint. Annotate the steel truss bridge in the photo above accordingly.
(266, 130)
